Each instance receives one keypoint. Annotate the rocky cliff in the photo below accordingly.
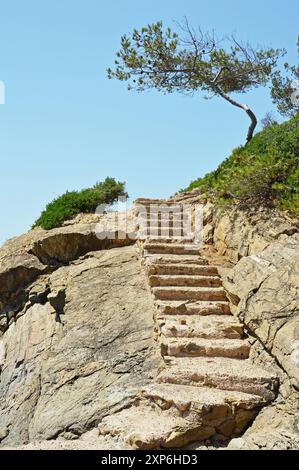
(77, 331)
(263, 288)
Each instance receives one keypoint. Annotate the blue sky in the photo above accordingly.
(66, 126)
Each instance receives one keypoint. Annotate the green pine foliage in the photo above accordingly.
(72, 203)
(264, 172)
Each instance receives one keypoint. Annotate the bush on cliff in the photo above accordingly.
(264, 172)
(72, 203)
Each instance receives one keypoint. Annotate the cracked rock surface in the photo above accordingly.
(263, 288)
(77, 347)
(76, 340)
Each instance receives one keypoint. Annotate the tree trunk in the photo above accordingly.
(246, 108)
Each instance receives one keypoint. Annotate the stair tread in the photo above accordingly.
(225, 364)
(172, 219)
(174, 248)
(167, 226)
(188, 288)
(216, 347)
(184, 280)
(190, 308)
(145, 201)
(147, 427)
(174, 263)
(199, 320)
(175, 259)
(183, 276)
(220, 372)
(164, 210)
(189, 292)
(177, 269)
(210, 326)
(167, 245)
(179, 240)
(204, 396)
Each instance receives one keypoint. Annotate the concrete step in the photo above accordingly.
(204, 308)
(189, 293)
(166, 209)
(184, 280)
(180, 240)
(196, 326)
(147, 202)
(157, 233)
(220, 372)
(167, 230)
(163, 224)
(160, 258)
(173, 416)
(142, 200)
(148, 427)
(197, 347)
(203, 399)
(178, 221)
(157, 204)
(148, 210)
(226, 411)
(162, 212)
(186, 269)
(171, 248)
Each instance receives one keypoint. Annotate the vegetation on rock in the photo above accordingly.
(265, 172)
(72, 203)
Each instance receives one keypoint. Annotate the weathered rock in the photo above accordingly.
(173, 307)
(275, 428)
(65, 244)
(220, 372)
(82, 354)
(162, 429)
(196, 326)
(267, 286)
(198, 347)
(90, 440)
(17, 271)
(189, 293)
(23, 259)
(263, 287)
(77, 347)
(241, 233)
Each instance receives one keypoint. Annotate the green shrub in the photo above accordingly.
(72, 203)
(265, 172)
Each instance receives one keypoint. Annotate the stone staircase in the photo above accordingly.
(206, 387)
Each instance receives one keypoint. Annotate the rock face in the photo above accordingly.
(77, 340)
(236, 233)
(93, 347)
(275, 428)
(25, 258)
(263, 287)
(266, 286)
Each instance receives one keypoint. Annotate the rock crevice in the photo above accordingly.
(60, 378)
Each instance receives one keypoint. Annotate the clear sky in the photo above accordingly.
(66, 126)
